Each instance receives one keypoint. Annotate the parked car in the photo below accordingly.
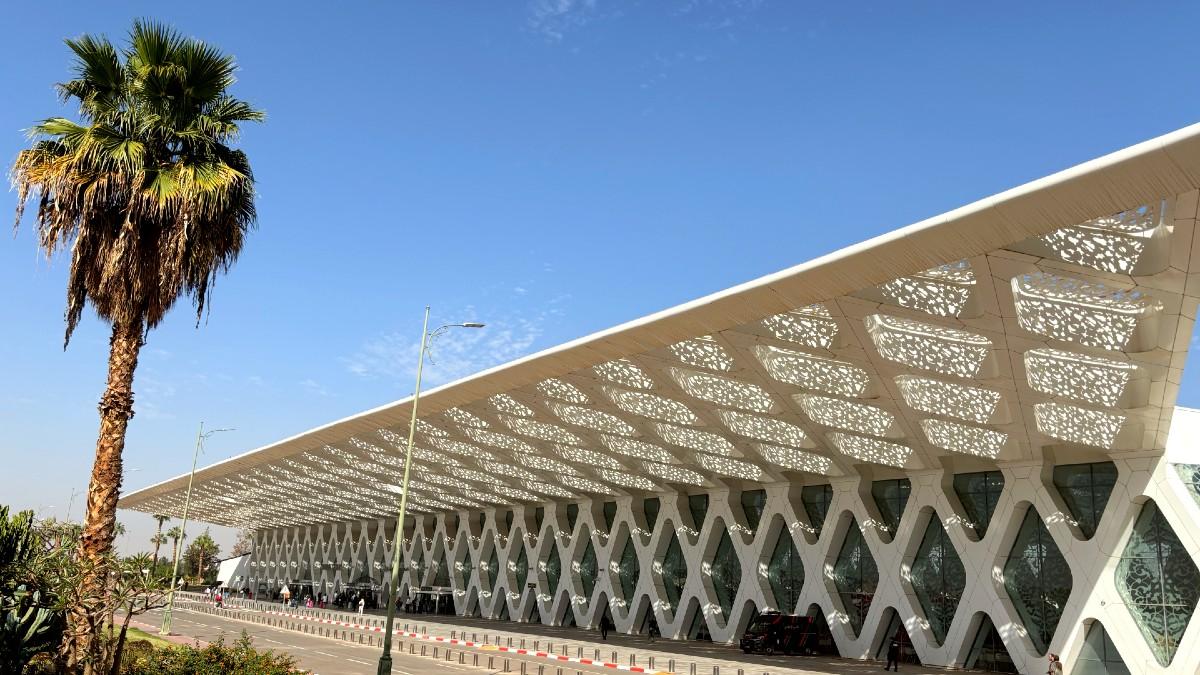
(772, 632)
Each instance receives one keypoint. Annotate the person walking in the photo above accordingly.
(362, 603)
(893, 656)
(1055, 666)
(653, 631)
(604, 625)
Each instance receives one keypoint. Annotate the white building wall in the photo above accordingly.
(332, 552)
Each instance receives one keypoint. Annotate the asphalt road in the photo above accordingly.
(326, 656)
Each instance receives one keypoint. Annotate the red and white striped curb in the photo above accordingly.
(476, 645)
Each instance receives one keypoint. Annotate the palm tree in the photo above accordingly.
(158, 537)
(152, 202)
(175, 534)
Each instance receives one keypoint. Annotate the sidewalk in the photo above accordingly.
(638, 652)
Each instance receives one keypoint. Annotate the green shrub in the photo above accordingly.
(216, 659)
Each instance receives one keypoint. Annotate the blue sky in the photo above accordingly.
(552, 168)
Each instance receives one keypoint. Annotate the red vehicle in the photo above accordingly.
(772, 632)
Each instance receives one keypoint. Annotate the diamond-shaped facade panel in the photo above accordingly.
(856, 577)
(938, 578)
(1038, 580)
(1159, 582)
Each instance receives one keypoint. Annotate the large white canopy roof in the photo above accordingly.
(1054, 317)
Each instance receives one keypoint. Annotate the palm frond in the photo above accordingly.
(144, 190)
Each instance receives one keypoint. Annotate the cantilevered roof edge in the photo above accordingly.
(1167, 165)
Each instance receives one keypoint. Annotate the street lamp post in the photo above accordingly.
(427, 336)
(201, 436)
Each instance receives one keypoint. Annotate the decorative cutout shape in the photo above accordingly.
(834, 412)
(814, 372)
(624, 372)
(766, 429)
(703, 352)
(507, 404)
(810, 326)
(941, 291)
(1083, 312)
(586, 485)
(465, 419)
(797, 460)
(628, 480)
(723, 390)
(499, 440)
(563, 391)
(694, 439)
(1091, 379)
(1078, 425)
(1110, 244)
(639, 449)
(948, 398)
(590, 457)
(591, 419)
(540, 430)
(964, 438)
(675, 474)
(927, 346)
(871, 449)
(652, 406)
(727, 466)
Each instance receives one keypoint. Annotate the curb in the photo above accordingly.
(560, 658)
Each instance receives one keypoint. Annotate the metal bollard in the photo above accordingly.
(522, 643)
(579, 652)
(716, 670)
(422, 650)
(506, 666)
(692, 670)
(522, 668)
(614, 657)
(651, 663)
(632, 660)
(491, 663)
(597, 656)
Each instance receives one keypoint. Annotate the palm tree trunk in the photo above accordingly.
(85, 618)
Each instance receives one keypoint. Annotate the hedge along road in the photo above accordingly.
(327, 656)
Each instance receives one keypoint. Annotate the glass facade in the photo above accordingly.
(651, 507)
(816, 500)
(572, 516)
(610, 515)
(1159, 581)
(493, 571)
(587, 570)
(855, 576)
(629, 571)
(674, 572)
(895, 631)
(698, 505)
(553, 570)
(938, 578)
(1086, 488)
(753, 503)
(988, 652)
(1190, 473)
(891, 496)
(539, 515)
(521, 570)
(1099, 655)
(978, 493)
(441, 575)
(464, 573)
(785, 573)
(726, 572)
(1037, 579)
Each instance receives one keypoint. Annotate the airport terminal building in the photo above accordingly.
(962, 434)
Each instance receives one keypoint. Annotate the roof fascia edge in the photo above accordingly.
(1166, 165)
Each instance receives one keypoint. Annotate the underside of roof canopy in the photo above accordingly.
(1055, 317)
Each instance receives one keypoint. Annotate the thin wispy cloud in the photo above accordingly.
(553, 19)
(456, 354)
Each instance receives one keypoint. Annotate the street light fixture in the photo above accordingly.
(201, 436)
(427, 336)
